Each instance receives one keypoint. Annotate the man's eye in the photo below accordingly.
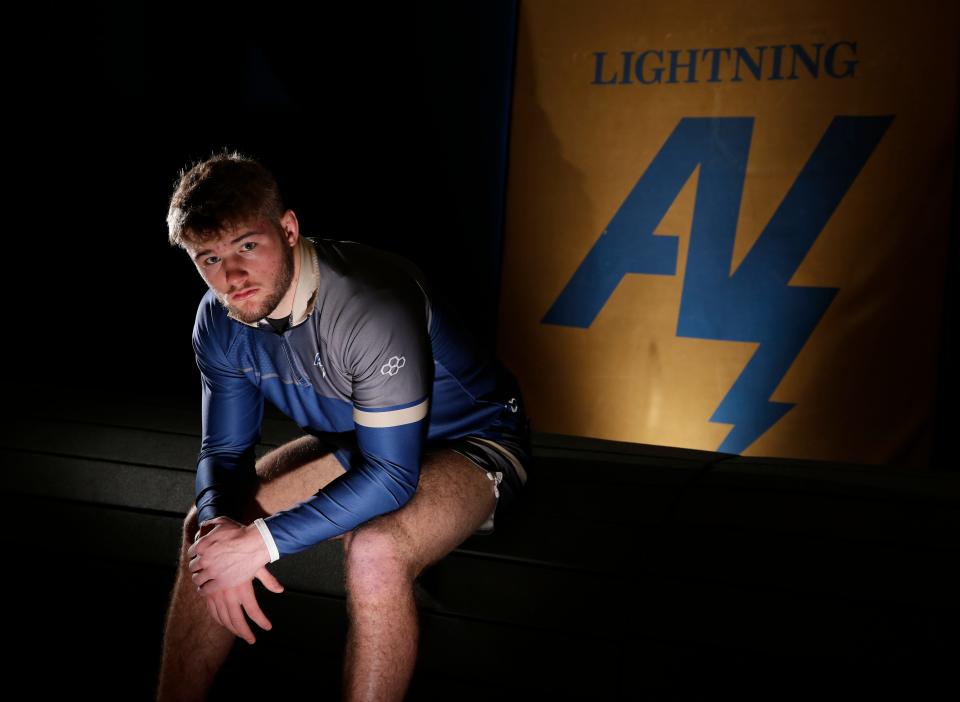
(251, 244)
(210, 260)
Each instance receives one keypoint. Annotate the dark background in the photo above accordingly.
(383, 126)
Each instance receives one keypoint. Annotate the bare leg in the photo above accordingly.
(385, 555)
(194, 645)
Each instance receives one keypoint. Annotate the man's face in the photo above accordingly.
(249, 268)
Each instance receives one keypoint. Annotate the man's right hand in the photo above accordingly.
(226, 606)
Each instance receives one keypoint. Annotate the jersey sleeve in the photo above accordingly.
(386, 351)
(231, 411)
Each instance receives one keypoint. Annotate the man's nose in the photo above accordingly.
(234, 269)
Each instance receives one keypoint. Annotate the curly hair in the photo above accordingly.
(218, 194)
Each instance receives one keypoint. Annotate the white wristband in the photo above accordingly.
(267, 539)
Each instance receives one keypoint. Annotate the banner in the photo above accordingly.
(727, 223)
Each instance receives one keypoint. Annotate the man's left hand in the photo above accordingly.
(230, 554)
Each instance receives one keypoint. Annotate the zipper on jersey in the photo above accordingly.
(297, 375)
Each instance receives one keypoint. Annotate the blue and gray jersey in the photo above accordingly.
(370, 355)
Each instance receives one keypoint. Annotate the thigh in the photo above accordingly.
(454, 497)
(291, 473)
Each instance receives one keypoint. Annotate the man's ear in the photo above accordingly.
(291, 227)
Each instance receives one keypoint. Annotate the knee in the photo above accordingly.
(190, 529)
(190, 526)
(377, 561)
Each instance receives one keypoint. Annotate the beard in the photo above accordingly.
(270, 302)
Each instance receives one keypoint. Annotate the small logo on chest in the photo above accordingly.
(316, 362)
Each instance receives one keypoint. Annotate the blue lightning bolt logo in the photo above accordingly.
(756, 303)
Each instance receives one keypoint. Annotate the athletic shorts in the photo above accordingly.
(505, 462)
(504, 459)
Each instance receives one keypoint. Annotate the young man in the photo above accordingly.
(414, 440)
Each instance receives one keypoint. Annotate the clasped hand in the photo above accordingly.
(224, 560)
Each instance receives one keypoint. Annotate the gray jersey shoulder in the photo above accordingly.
(372, 319)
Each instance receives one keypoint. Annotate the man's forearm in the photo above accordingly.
(223, 483)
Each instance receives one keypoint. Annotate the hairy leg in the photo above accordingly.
(194, 645)
(384, 556)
